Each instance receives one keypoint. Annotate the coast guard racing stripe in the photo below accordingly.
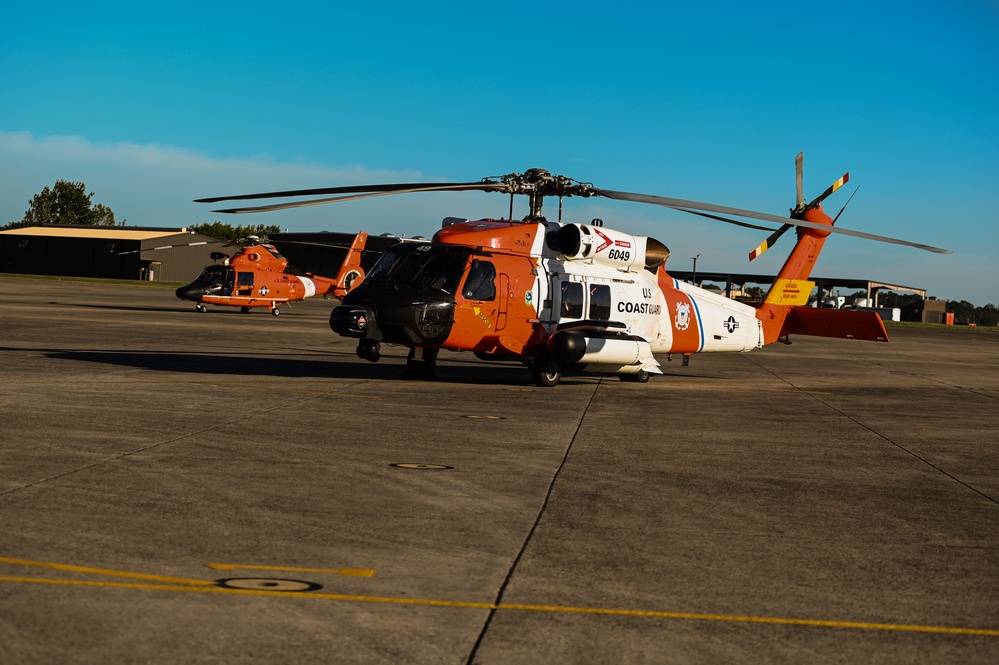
(685, 319)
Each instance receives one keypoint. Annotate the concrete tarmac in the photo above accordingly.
(179, 487)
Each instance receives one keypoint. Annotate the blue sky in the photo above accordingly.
(155, 104)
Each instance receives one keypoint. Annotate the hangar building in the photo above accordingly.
(927, 310)
(100, 251)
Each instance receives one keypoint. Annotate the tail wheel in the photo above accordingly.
(545, 371)
(641, 376)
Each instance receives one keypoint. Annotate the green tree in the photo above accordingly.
(964, 312)
(234, 234)
(65, 203)
(987, 315)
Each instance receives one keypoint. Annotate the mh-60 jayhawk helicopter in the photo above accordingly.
(563, 296)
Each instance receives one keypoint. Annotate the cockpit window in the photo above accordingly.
(212, 275)
(420, 266)
(216, 280)
(481, 281)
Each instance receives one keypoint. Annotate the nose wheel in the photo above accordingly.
(369, 349)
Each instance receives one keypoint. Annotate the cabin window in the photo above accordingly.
(481, 281)
(600, 302)
(572, 300)
(244, 283)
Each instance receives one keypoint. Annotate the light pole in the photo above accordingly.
(694, 258)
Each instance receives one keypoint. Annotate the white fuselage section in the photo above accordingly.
(614, 304)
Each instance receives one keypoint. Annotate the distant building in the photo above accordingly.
(926, 311)
(97, 251)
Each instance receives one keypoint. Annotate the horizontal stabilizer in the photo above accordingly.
(834, 323)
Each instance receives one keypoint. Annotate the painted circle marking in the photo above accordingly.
(267, 584)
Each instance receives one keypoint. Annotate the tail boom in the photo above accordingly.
(834, 323)
(792, 288)
(784, 310)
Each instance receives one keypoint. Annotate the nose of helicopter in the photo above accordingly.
(425, 322)
(189, 292)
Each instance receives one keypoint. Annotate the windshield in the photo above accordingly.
(420, 266)
(212, 276)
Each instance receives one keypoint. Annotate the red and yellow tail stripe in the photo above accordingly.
(763, 246)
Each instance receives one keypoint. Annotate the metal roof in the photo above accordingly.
(824, 283)
(100, 232)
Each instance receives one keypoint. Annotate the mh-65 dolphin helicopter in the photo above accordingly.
(563, 296)
(258, 275)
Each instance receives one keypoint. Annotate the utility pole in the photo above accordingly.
(694, 258)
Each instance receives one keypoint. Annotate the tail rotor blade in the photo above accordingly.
(799, 161)
(769, 242)
(832, 188)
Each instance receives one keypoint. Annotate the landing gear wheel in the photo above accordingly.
(422, 369)
(276, 312)
(200, 308)
(244, 310)
(640, 376)
(545, 371)
(369, 349)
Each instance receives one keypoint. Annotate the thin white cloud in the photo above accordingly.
(154, 185)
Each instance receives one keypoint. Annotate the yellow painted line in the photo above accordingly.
(352, 572)
(104, 571)
(856, 625)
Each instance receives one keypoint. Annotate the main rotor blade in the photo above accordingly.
(688, 206)
(394, 188)
(186, 244)
(727, 220)
(368, 195)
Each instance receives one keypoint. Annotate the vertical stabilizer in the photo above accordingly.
(792, 287)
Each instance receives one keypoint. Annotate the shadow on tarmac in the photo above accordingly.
(469, 373)
(265, 366)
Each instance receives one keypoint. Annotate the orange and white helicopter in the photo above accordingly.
(258, 275)
(561, 296)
